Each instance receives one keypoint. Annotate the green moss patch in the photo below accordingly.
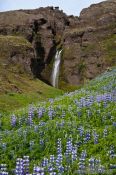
(109, 46)
(8, 42)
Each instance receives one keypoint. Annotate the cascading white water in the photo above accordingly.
(55, 71)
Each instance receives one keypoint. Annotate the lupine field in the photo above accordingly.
(70, 135)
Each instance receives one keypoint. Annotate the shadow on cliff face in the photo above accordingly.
(37, 67)
(51, 54)
(38, 64)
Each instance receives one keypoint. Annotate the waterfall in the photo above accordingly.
(55, 71)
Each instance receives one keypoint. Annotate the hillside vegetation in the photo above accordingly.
(18, 87)
(72, 134)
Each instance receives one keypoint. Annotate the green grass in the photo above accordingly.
(34, 91)
(62, 119)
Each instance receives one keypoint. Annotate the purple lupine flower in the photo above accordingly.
(36, 128)
(83, 154)
(81, 130)
(112, 166)
(30, 118)
(81, 163)
(53, 173)
(88, 102)
(79, 113)
(40, 112)
(114, 124)
(79, 143)
(92, 164)
(38, 170)
(111, 152)
(51, 100)
(41, 123)
(26, 164)
(105, 132)
(4, 146)
(87, 137)
(31, 111)
(107, 97)
(60, 169)
(82, 167)
(74, 153)
(61, 125)
(97, 161)
(97, 164)
(50, 113)
(59, 159)
(31, 143)
(82, 102)
(51, 169)
(76, 102)
(59, 146)
(101, 169)
(52, 159)
(95, 137)
(13, 120)
(63, 114)
(19, 170)
(3, 169)
(41, 142)
(98, 98)
(69, 147)
(45, 162)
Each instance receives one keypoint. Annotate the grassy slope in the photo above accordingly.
(17, 87)
(69, 115)
(33, 91)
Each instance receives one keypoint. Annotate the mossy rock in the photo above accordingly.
(74, 32)
(69, 52)
(12, 44)
(14, 41)
(109, 46)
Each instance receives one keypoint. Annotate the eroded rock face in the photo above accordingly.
(88, 41)
(103, 13)
(43, 28)
(90, 47)
(16, 54)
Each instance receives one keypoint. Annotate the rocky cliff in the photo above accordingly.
(90, 47)
(42, 28)
(88, 42)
